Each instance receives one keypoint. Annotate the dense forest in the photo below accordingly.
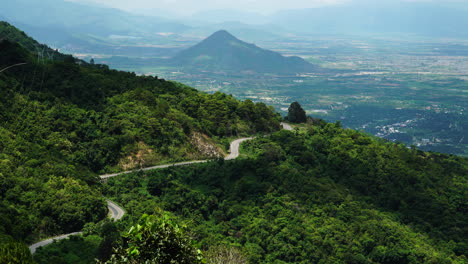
(317, 194)
(63, 121)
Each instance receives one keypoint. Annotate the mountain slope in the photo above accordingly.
(63, 122)
(79, 28)
(222, 51)
(319, 194)
(12, 34)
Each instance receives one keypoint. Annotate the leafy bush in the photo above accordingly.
(13, 252)
(157, 239)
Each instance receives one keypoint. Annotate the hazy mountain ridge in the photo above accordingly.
(76, 22)
(78, 18)
(223, 15)
(83, 28)
(415, 18)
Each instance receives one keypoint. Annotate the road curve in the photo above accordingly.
(115, 212)
(286, 126)
(234, 148)
(46, 242)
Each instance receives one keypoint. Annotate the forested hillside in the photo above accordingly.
(63, 121)
(317, 194)
(9, 32)
(322, 194)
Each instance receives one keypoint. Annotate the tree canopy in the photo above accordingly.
(322, 194)
(296, 114)
(64, 121)
(156, 239)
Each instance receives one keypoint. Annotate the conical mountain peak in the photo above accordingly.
(221, 35)
(223, 52)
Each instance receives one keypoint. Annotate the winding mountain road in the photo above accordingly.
(233, 154)
(116, 212)
(106, 176)
(48, 241)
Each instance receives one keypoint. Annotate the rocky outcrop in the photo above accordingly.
(205, 146)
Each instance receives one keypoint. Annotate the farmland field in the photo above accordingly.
(415, 92)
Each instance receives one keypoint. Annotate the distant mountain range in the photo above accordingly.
(222, 51)
(223, 15)
(389, 18)
(79, 18)
(248, 32)
(84, 28)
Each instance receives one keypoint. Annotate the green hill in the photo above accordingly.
(320, 194)
(12, 34)
(62, 122)
(317, 194)
(223, 52)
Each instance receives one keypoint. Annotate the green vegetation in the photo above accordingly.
(64, 121)
(415, 93)
(223, 254)
(14, 252)
(99, 241)
(296, 114)
(12, 34)
(77, 250)
(156, 239)
(320, 195)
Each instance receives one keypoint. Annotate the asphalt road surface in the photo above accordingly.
(46, 242)
(115, 211)
(106, 176)
(286, 126)
(234, 148)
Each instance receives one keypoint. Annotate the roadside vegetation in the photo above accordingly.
(320, 194)
(63, 122)
(317, 194)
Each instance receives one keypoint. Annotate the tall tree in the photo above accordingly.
(296, 114)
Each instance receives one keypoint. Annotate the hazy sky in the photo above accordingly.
(191, 6)
(262, 6)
